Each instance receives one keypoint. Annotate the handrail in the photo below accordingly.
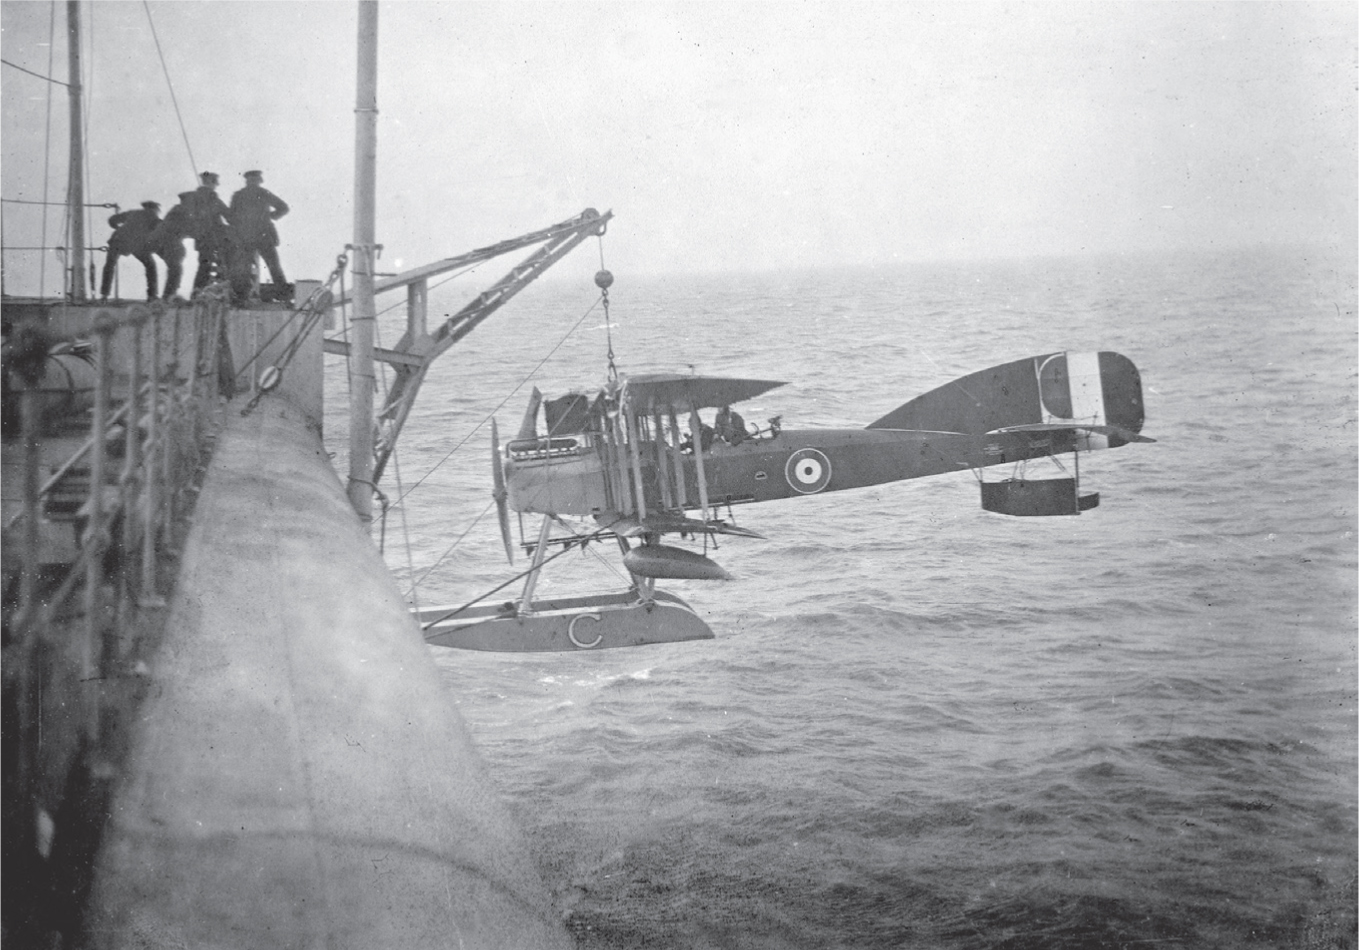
(130, 507)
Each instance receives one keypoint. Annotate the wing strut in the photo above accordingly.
(682, 490)
(635, 454)
(662, 476)
(696, 432)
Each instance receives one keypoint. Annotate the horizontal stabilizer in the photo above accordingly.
(661, 560)
(1113, 432)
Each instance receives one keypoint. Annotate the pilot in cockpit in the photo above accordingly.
(731, 428)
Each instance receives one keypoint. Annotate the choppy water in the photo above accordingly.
(922, 725)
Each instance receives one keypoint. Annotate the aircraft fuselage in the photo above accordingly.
(792, 463)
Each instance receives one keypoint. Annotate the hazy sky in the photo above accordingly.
(725, 136)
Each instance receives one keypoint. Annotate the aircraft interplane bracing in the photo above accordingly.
(639, 459)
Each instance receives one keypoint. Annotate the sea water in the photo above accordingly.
(921, 724)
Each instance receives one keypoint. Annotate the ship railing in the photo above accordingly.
(160, 374)
(31, 254)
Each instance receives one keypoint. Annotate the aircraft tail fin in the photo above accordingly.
(1078, 389)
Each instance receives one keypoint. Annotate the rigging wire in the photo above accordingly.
(405, 529)
(585, 548)
(47, 153)
(32, 73)
(396, 461)
(165, 69)
(84, 171)
(537, 567)
(403, 494)
(456, 541)
(502, 402)
(396, 465)
(344, 325)
(402, 497)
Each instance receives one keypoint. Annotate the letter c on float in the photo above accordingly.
(571, 631)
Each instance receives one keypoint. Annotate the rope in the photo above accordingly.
(396, 465)
(405, 528)
(344, 322)
(586, 549)
(456, 542)
(501, 404)
(193, 165)
(314, 314)
(401, 497)
(341, 261)
(32, 73)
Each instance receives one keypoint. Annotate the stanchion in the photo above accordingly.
(148, 596)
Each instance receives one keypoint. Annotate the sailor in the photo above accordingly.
(211, 231)
(731, 428)
(167, 241)
(132, 237)
(254, 209)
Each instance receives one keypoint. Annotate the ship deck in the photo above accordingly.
(297, 776)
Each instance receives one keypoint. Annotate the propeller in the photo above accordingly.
(501, 496)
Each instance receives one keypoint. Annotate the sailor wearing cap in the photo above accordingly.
(132, 238)
(254, 209)
(167, 241)
(210, 231)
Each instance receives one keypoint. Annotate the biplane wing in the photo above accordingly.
(672, 392)
(621, 457)
(625, 453)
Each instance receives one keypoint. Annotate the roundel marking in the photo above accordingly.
(808, 471)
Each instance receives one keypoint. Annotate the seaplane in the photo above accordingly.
(620, 462)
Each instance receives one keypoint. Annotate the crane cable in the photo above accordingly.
(604, 280)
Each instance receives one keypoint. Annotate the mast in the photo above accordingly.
(76, 187)
(360, 488)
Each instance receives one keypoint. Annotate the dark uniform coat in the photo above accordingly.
(253, 211)
(132, 231)
(208, 217)
(167, 241)
(174, 227)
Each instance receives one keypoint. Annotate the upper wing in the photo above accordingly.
(653, 392)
